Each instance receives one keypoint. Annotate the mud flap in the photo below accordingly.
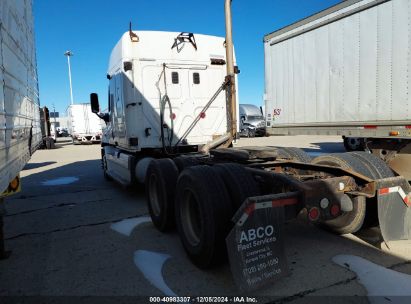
(394, 209)
(255, 245)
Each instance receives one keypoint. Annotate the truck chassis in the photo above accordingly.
(206, 195)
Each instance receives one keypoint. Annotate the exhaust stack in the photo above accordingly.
(231, 91)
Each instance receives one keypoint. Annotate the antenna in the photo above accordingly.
(133, 36)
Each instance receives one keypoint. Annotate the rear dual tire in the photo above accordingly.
(206, 199)
(378, 169)
(352, 221)
(365, 211)
(202, 213)
(295, 154)
(160, 184)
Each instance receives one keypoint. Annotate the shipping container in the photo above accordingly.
(345, 71)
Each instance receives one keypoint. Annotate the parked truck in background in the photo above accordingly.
(20, 132)
(345, 71)
(83, 126)
(169, 127)
(252, 120)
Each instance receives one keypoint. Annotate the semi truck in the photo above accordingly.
(252, 120)
(345, 71)
(20, 130)
(171, 124)
(83, 126)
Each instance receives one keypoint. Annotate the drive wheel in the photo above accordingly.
(239, 183)
(378, 169)
(185, 162)
(104, 166)
(296, 154)
(354, 144)
(160, 186)
(203, 215)
(351, 221)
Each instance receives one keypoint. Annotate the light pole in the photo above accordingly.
(54, 114)
(68, 54)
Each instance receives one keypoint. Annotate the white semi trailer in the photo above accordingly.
(83, 126)
(169, 127)
(20, 131)
(345, 71)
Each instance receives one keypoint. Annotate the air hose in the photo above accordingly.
(163, 102)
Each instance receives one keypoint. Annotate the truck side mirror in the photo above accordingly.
(95, 106)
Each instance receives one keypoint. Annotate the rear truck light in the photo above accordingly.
(370, 127)
(335, 210)
(394, 133)
(324, 203)
(408, 127)
(173, 116)
(202, 115)
(15, 183)
(314, 214)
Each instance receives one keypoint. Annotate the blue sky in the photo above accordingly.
(91, 28)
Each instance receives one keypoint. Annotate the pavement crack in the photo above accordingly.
(399, 264)
(25, 234)
(54, 206)
(310, 291)
(343, 282)
(23, 196)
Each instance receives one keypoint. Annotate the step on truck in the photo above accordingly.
(345, 71)
(20, 130)
(171, 121)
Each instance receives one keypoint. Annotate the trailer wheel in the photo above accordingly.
(352, 221)
(160, 184)
(203, 215)
(185, 162)
(294, 153)
(379, 169)
(50, 143)
(354, 144)
(239, 183)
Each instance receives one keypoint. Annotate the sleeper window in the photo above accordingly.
(174, 77)
(196, 78)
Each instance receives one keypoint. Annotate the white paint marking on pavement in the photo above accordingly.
(60, 181)
(127, 226)
(151, 265)
(377, 280)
